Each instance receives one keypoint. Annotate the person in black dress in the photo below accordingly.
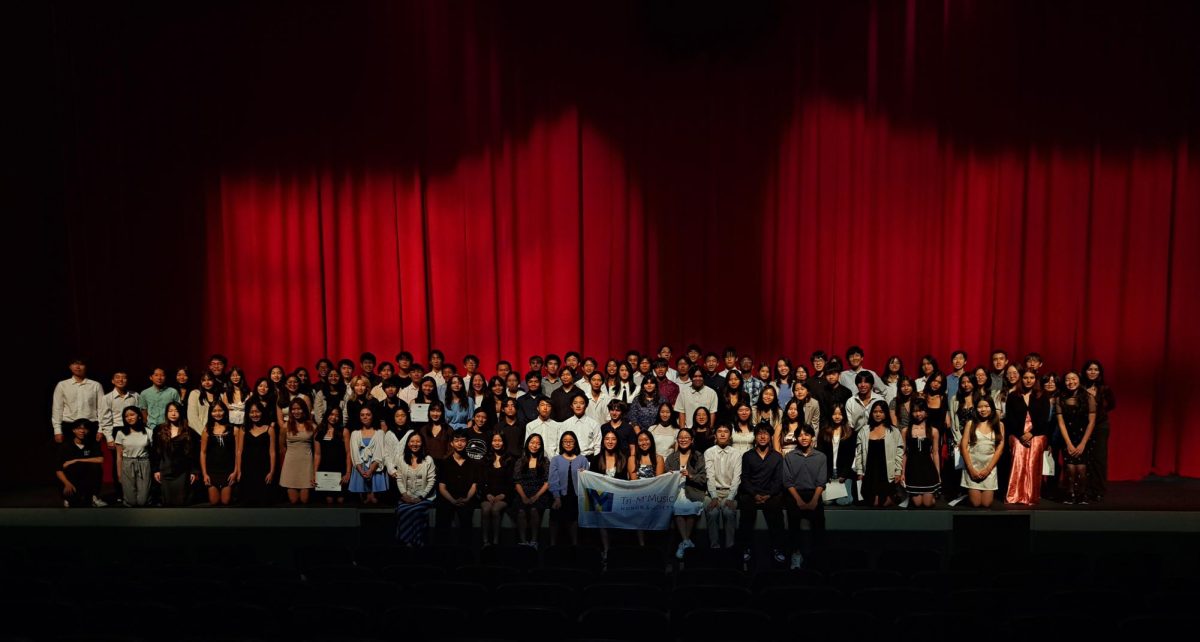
(330, 451)
(257, 467)
(496, 486)
(218, 455)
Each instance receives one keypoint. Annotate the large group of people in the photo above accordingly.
(747, 437)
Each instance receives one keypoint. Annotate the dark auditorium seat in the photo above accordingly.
(635, 623)
(542, 594)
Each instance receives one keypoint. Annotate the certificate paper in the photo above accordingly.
(329, 482)
(420, 413)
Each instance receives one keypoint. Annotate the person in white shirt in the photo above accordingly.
(545, 427)
(858, 406)
(76, 398)
(597, 398)
(586, 429)
(723, 464)
(854, 359)
(113, 404)
(695, 396)
(436, 359)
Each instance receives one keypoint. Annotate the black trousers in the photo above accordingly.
(460, 516)
(772, 511)
(816, 523)
(86, 478)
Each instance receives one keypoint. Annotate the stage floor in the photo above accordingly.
(1167, 505)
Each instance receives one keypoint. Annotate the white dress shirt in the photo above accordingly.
(597, 408)
(690, 399)
(112, 406)
(724, 468)
(847, 380)
(549, 430)
(587, 432)
(75, 400)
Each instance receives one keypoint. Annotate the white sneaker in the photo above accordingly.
(66, 503)
(98, 503)
(778, 557)
(679, 551)
(797, 561)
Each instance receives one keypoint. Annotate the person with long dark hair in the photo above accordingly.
(1027, 424)
(689, 503)
(298, 474)
(982, 445)
(367, 451)
(922, 455)
(893, 372)
(329, 394)
(743, 428)
(132, 443)
(1076, 417)
(174, 459)
(1093, 384)
(645, 464)
(458, 410)
(901, 403)
(613, 462)
(643, 409)
(496, 485)
(783, 378)
(788, 433)
(879, 456)
(199, 401)
(235, 395)
(531, 481)
(436, 434)
(283, 404)
(564, 473)
(665, 429)
(257, 459)
(767, 410)
(839, 442)
(731, 396)
(331, 445)
(218, 455)
(263, 396)
(416, 481)
(703, 432)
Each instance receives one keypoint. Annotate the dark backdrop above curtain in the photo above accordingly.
(281, 181)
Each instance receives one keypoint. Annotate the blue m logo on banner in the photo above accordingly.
(598, 501)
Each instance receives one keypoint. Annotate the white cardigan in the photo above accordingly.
(417, 481)
(893, 442)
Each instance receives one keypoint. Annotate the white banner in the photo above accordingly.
(642, 504)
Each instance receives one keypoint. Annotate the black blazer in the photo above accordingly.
(1015, 411)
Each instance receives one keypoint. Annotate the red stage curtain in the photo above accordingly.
(502, 179)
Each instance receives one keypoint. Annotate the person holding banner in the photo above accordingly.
(611, 462)
(531, 479)
(564, 470)
(690, 501)
(646, 463)
(723, 465)
(761, 490)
